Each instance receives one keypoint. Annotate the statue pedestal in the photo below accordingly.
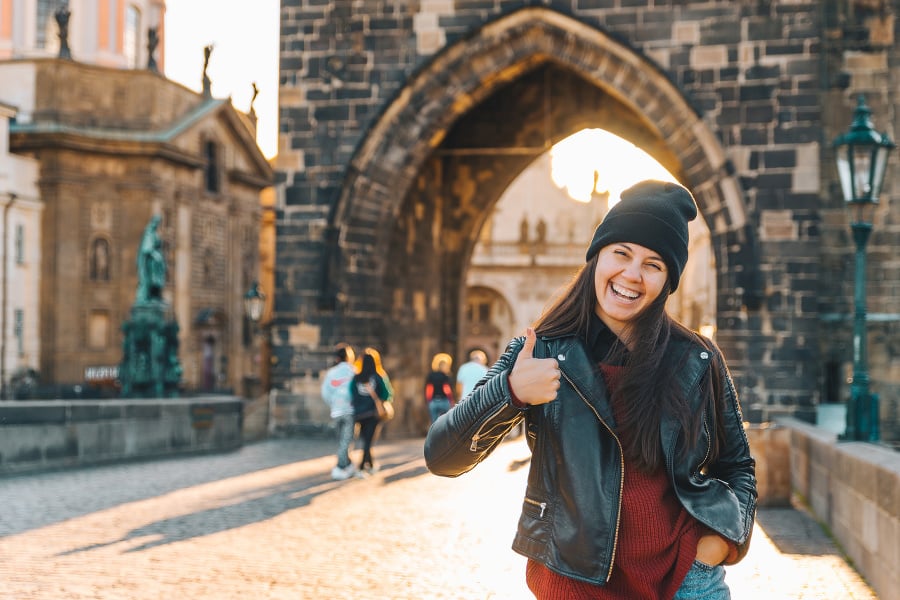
(150, 366)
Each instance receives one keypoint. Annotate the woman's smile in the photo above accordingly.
(628, 278)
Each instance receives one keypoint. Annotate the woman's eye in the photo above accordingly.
(656, 266)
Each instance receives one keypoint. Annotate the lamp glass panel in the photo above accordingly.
(862, 162)
(253, 306)
(845, 173)
(880, 157)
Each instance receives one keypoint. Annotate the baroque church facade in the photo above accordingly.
(115, 143)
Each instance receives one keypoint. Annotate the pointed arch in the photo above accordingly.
(416, 121)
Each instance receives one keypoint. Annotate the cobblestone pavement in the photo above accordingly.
(267, 522)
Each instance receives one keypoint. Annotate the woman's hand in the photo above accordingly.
(712, 549)
(534, 380)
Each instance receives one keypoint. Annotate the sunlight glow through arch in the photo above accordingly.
(618, 162)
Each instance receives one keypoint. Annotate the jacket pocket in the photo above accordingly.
(533, 507)
(534, 523)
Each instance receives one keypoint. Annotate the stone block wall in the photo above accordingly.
(774, 83)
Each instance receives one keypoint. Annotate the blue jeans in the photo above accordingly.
(437, 407)
(344, 427)
(704, 582)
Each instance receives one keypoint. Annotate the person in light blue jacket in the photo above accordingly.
(336, 394)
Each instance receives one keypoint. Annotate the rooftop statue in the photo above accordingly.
(152, 43)
(62, 15)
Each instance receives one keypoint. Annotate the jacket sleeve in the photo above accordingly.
(469, 432)
(382, 390)
(734, 464)
(327, 389)
(388, 387)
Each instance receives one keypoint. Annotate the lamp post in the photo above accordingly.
(254, 307)
(254, 303)
(862, 155)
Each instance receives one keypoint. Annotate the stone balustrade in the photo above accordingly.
(852, 488)
(52, 434)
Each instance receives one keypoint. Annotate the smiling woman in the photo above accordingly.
(245, 51)
(631, 416)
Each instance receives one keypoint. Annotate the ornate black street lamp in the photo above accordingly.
(254, 303)
(862, 156)
(254, 309)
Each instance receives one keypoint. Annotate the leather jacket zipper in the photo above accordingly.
(708, 443)
(474, 445)
(698, 471)
(612, 559)
(541, 505)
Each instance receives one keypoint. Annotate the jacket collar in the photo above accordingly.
(578, 367)
(690, 360)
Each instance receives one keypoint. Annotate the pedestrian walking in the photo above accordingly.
(369, 392)
(376, 356)
(641, 482)
(438, 387)
(336, 394)
(470, 373)
(389, 401)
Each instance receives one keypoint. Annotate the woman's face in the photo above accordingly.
(628, 278)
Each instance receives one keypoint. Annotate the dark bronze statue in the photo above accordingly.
(151, 264)
(150, 365)
(253, 98)
(62, 15)
(207, 83)
(152, 43)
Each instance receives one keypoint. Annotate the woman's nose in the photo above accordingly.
(633, 271)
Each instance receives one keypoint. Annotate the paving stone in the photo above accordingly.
(267, 522)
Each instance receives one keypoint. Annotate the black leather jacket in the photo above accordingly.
(570, 513)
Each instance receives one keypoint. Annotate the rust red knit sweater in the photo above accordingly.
(656, 545)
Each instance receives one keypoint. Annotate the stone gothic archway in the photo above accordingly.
(429, 171)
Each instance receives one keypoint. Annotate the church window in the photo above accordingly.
(132, 41)
(211, 151)
(47, 29)
(98, 330)
(208, 268)
(19, 330)
(20, 244)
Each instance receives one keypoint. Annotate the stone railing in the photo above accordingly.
(50, 434)
(853, 488)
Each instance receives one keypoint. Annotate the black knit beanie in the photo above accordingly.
(653, 214)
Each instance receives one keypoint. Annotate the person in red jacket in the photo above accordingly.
(438, 387)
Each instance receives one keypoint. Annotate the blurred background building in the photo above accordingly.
(100, 141)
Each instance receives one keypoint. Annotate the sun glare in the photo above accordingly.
(619, 165)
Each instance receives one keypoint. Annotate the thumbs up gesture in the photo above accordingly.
(534, 380)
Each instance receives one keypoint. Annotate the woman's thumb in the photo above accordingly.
(528, 348)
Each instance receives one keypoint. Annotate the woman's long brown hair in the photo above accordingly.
(646, 390)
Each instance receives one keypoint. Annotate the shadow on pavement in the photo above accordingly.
(77, 492)
(254, 505)
(794, 531)
(267, 504)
